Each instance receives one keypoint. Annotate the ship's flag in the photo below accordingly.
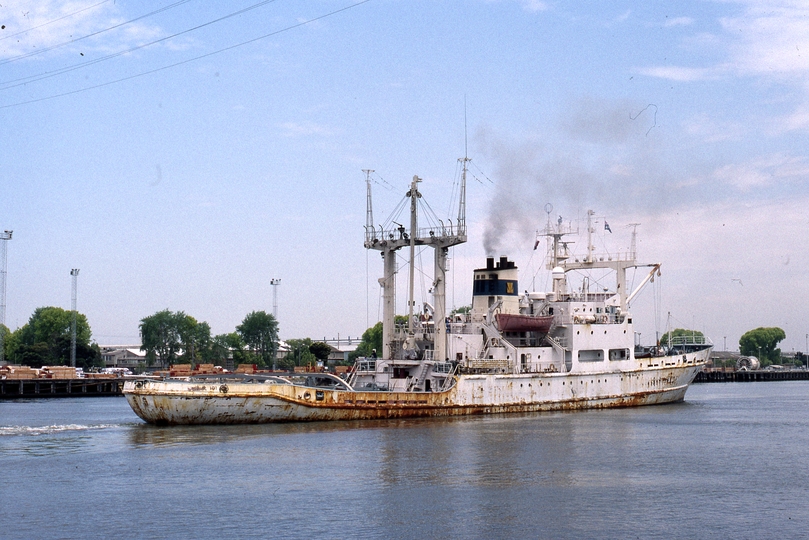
(607, 227)
(536, 244)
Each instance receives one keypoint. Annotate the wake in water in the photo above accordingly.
(49, 430)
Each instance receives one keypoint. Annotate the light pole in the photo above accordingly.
(275, 282)
(75, 274)
(5, 236)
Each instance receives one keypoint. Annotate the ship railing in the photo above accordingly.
(365, 365)
(362, 365)
(400, 331)
(462, 328)
(561, 341)
(498, 364)
(449, 381)
(377, 235)
(689, 340)
(443, 367)
(562, 350)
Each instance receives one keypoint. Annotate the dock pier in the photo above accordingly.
(57, 388)
(751, 376)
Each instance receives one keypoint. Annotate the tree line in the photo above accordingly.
(45, 340)
(175, 337)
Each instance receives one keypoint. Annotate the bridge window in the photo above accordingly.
(593, 355)
(619, 354)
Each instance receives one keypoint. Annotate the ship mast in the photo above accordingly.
(414, 197)
(388, 241)
(620, 264)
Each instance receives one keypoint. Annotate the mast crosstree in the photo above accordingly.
(388, 241)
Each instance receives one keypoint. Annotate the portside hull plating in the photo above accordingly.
(178, 402)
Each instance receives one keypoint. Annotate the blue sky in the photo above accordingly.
(184, 169)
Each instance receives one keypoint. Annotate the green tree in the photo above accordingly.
(194, 336)
(171, 337)
(259, 330)
(299, 353)
(320, 350)
(224, 347)
(45, 339)
(160, 337)
(761, 343)
(679, 332)
(371, 341)
(5, 334)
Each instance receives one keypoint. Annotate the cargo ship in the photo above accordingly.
(565, 348)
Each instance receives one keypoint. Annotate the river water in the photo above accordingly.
(729, 462)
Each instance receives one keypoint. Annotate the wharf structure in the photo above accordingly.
(42, 388)
(759, 375)
(18, 382)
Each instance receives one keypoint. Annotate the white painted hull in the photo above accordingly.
(185, 402)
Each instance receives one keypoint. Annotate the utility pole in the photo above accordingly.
(275, 282)
(5, 236)
(75, 274)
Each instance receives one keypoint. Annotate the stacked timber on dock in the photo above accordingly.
(752, 376)
(55, 381)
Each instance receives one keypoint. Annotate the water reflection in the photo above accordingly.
(152, 435)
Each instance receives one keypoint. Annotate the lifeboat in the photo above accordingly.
(523, 323)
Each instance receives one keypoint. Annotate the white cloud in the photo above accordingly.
(710, 130)
(300, 129)
(769, 39)
(679, 74)
(798, 120)
(679, 21)
(623, 16)
(534, 5)
(762, 171)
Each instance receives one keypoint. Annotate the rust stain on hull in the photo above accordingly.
(177, 403)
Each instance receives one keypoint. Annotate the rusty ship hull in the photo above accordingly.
(219, 402)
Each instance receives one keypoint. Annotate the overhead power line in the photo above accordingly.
(34, 78)
(53, 21)
(52, 47)
(218, 51)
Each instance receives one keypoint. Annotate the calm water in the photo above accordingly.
(730, 462)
